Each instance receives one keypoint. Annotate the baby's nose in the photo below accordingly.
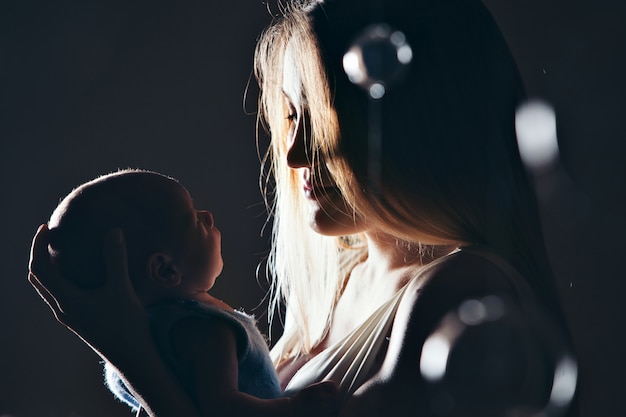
(207, 217)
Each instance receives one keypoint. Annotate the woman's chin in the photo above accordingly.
(333, 221)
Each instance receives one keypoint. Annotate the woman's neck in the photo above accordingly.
(390, 265)
(390, 256)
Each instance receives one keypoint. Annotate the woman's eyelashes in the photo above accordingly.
(292, 113)
(290, 109)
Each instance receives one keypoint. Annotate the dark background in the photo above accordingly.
(90, 86)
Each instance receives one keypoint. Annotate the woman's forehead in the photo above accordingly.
(292, 81)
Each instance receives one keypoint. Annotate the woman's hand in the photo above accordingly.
(111, 320)
(103, 317)
(317, 400)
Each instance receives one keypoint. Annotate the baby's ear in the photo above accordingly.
(163, 271)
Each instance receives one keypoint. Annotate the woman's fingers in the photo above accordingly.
(40, 266)
(39, 250)
(115, 257)
(43, 275)
(116, 264)
(128, 317)
(87, 311)
(46, 296)
(47, 274)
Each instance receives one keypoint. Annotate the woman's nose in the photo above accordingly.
(298, 145)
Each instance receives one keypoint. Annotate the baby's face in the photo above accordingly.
(196, 240)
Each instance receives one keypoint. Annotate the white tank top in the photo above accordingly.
(350, 361)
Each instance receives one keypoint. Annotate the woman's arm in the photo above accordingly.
(112, 322)
(209, 348)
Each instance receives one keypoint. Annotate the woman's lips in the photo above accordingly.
(314, 192)
(318, 189)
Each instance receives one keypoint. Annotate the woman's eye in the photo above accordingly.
(292, 113)
(291, 110)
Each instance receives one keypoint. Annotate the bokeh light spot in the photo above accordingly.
(565, 379)
(377, 91)
(434, 357)
(377, 58)
(535, 124)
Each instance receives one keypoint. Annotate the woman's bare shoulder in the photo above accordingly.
(462, 275)
(397, 389)
(444, 287)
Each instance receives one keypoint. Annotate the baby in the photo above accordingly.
(174, 258)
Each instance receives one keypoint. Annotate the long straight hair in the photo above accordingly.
(450, 167)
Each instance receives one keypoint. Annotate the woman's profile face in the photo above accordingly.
(328, 213)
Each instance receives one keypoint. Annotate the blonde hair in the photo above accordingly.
(450, 168)
(306, 267)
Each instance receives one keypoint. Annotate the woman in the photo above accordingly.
(452, 215)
